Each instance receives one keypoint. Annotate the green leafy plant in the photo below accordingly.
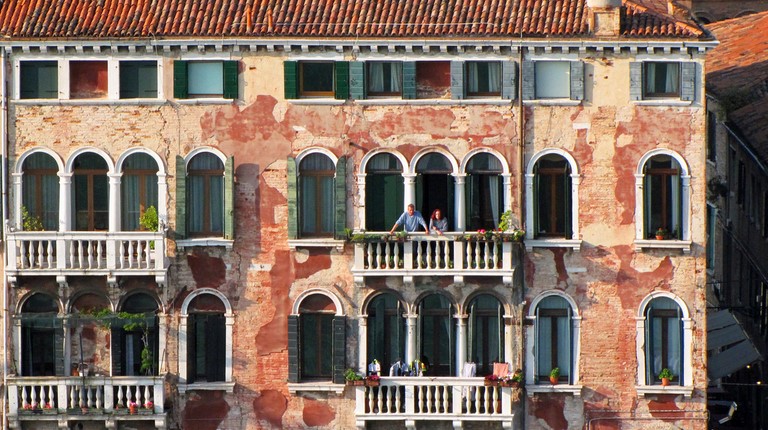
(555, 373)
(129, 322)
(30, 222)
(148, 220)
(517, 376)
(506, 221)
(351, 375)
(666, 373)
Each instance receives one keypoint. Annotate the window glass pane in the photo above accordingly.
(386, 331)
(485, 344)
(40, 189)
(138, 188)
(553, 189)
(662, 79)
(384, 78)
(39, 80)
(91, 193)
(383, 163)
(436, 334)
(317, 78)
(316, 345)
(553, 79)
(663, 203)
(205, 195)
(316, 195)
(433, 163)
(483, 78)
(87, 79)
(663, 322)
(554, 337)
(484, 163)
(206, 78)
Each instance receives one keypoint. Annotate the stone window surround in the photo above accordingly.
(66, 173)
(409, 178)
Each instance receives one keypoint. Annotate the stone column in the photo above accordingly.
(459, 207)
(461, 341)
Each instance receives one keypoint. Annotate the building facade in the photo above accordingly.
(201, 198)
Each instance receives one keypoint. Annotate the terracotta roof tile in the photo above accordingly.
(325, 18)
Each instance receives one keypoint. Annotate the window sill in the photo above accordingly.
(205, 101)
(685, 390)
(87, 102)
(229, 387)
(326, 387)
(663, 102)
(187, 243)
(552, 243)
(433, 102)
(553, 102)
(683, 245)
(553, 389)
(320, 242)
(317, 101)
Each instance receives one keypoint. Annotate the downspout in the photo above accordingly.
(521, 206)
(4, 134)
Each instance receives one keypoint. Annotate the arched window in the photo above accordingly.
(316, 339)
(437, 335)
(91, 192)
(552, 194)
(662, 197)
(554, 339)
(384, 192)
(40, 333)
(485, 344)
(40, 190)
(664, 340)
(316, 173)
(386, 331)
(484, 192)
(206, 339)
(435, 185)
(205, 195)
(135, 339)
(139, 188)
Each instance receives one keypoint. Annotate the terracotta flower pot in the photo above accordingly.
(132, 410)
(664, 381)
(553, 380)
(659, 237)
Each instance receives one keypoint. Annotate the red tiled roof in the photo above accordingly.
(323, 18)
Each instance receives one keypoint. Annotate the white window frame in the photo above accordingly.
(361, 180)
(664, 101)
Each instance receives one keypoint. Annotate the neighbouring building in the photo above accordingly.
(708, 11)
(737, 216)
(201, 193)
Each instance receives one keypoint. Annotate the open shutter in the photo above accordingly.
(635, 80)
(457, 80)
(536, 342)
(341, 72)
(409, 79)
(508, 80)
(293, 199)
(647, 208)
(340, 194)
(528, 80)
(567, 207)
(180, 80)
(117, 340)
(230, 79)
(215, 336)
(357, 80)
(293, 349)
(536, 201)
(229, 198)
(181, 198)
(339, 348)
(688, 81)
(191, 348)
(570, 341)
(58, 350)
(649, 376)
(291, 75)
(577, 80)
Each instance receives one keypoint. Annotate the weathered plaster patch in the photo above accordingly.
(317, 413)
(270, 406)
(273, 336)
(208, 272)
(204, 410)
(301, 255)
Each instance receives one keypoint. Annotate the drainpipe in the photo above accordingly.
(521, 208)
(4, 137)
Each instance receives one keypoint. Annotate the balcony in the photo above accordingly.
(106, 399)
(421, 255)
(411, 399)
(86, 253)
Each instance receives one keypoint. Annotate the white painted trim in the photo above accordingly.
(314, 150)
(20, 160)
(17, 180)
(201, 291)
(429, 150)
(327, 387)
(370, 154)
(313, 291)
(530, 341)
(200, 150)
(529, 197)
(685, 197)
(69, 166)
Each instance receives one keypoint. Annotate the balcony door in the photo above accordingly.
(138, 189)
(435, 186)
(437, 335)
(91, 196)
(40, 333)
(40, 191)
(383, 192)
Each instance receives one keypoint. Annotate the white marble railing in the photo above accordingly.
(102, 393)
(430, 255)
(449, 398)
(80, 252)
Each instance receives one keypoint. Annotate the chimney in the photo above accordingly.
(605, 17)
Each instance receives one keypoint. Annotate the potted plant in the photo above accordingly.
(133, 407)
(491, 381)
(149, 407)
(48, 409)
(148, 220)
(372, 381)
(29, 221)
(665, 375)
(554, 376)
(517, 379)
(401, 236)
(353, 378)
(662, 233)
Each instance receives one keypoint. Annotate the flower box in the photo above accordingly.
(359, 382)
(369, 383)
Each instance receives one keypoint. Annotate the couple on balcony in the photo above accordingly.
(411, 219)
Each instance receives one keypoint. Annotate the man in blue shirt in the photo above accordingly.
(410, 220)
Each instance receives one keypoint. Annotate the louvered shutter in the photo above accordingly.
(339, 348)
(291, 79)
(58, 349)
(294, 345)
(457, 80)
(230, 79)
(341, 72)
(117, 340)
(180, 80)
(340, 194)
(181, 198)
(357, 80)
(409, 80)
(508, 80)
(215, 336)
(577, 80)
(129, 80)
(229, 198)
(192, 348)
(528, 80)
(293, 198)
(635, 81)
(688, 81)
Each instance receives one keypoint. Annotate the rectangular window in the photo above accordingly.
(661, 79)
(711, 236)
(483, 78)
(316, 79)
(205, 79)
(385, 78)
(712, 136)
(206, 347)
(138, 79)
(553, 79)
(88, 79)
(39, 80)
(316, 344)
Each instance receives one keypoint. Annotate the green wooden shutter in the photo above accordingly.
(577, 80)
(129, 80)
(191, 348)
(293, 199)
(291, 77)
(536, 201)
(508, 80)
(567, 186)
(181, 198)
(215, 354)
(688, 81)
(147, 73)
(528, 80)
(229, 198)
(357, 80)
(339, 348)
(180, 80)
(340, 191)
(58, 350)
(409, 79)
(39, 80)
(635, 80)
(230, 79)
(457, 80)
(294, 346)
(117, 340)
(341, 71)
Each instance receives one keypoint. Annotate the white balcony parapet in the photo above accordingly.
(381, 254)
(86, 253)
(454, 399)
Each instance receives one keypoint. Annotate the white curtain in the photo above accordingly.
(376, 77)
(494, 77)
(672, 78)
(473, 81)
(130, 202)
(675, 207)
(396, 77)
(493, 185)
(553, 79)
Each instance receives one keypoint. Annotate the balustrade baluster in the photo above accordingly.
(369, 400)
(73, 397)
(120, 398)
(49, 256)
(439, 399)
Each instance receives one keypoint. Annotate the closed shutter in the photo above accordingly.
(39, 80)
(357, 80)
(230, 79)
(291, 79)
(58, 349)
(508, 80)
(215, 347)
(567, 187)
(635, 81)
(537, 340)
(181, 198)
(129, 80)
(339, 348)
(341, 72)
(191, 348)
(293, 348)
(688, 81)
(117, 341)
(180, 80)
(409, 79)
(340, 190)
(577, 80)
(293, 198)
(147, 72)
(457, 80)
(528, 80)
(229, 198)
